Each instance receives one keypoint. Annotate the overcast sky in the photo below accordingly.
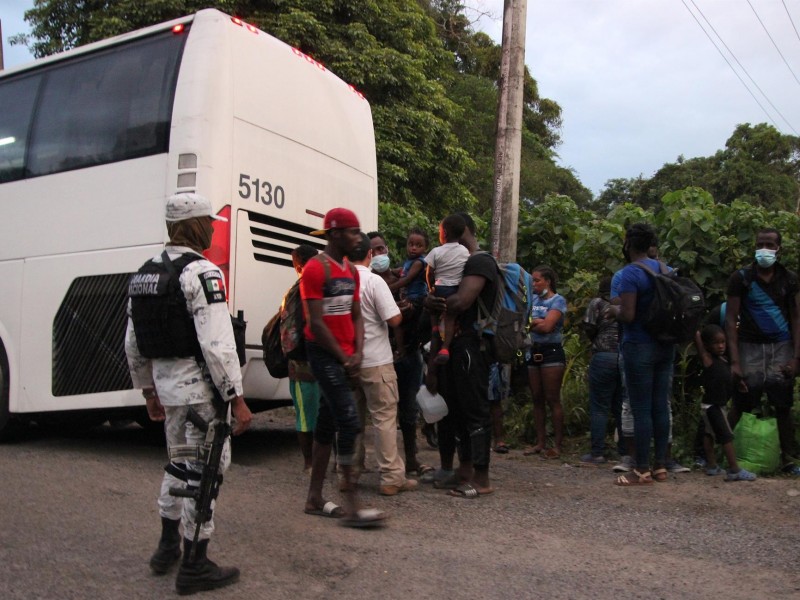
(638, 81)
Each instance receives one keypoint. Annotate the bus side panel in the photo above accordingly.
(59, 323)
(10, 324)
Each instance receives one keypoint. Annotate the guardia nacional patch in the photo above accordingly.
(213, 286)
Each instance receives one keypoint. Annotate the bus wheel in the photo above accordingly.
(7, 423)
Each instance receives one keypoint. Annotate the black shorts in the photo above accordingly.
(715, 419)
(547, 355)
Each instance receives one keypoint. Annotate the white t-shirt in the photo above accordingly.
(377, 307)
(447, 262)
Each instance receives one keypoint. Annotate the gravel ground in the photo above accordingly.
(78, 520)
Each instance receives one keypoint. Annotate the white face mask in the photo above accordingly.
(380, 263)
(766, 258)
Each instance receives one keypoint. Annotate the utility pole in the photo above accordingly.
(508, 145)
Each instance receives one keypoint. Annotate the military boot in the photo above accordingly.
(198, 573)
(169, 547)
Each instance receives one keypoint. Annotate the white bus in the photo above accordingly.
(93, 140)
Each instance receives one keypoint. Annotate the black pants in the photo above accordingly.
(464, 383)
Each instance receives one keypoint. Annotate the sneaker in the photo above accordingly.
(588, 459)
(700, 462)
(717, 470)
(791, 469)
(436, 475)
(742, 475)
(625, 465)
(673, 466)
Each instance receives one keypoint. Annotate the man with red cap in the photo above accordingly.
(334, 336)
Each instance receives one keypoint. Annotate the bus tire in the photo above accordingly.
(6, 420)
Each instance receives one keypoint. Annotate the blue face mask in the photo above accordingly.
(766, 258)
(380, 263)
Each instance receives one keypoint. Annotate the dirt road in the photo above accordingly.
(78, 520)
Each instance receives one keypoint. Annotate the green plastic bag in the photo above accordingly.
(757, 446)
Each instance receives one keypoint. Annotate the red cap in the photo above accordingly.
(338, 218)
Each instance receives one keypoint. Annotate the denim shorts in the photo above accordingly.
(547, 355)
(762, 368)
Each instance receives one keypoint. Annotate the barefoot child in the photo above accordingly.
(445, 267)
(717, 390)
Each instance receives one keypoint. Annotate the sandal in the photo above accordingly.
(469, 491)
(551, 453)
(502, 448)
(532, 451)
(634, 478)
(365, 517)
(660, 475)
(419, 469)
(330, 509)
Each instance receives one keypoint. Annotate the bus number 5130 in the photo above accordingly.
(261, 191)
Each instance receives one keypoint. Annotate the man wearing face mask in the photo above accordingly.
(187, 360)
(765, 348)
(408, 361)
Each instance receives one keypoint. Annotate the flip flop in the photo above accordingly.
(551, 454)
(532, 451)
(501, 448)
(365, 517)
(468, 491)
(634, 478)
(420, 470)
(660, 475)
(331, 509)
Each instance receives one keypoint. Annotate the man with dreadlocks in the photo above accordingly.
(181, 354)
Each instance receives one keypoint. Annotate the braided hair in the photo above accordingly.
(640, 237)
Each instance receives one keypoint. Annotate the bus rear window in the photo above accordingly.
(17, 99)
(108, 106)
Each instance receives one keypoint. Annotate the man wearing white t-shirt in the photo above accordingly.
(377, 378)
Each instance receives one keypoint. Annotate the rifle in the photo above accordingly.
(210, 452)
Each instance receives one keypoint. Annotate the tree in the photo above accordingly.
(758, 165)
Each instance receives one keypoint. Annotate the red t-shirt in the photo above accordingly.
(337, 295)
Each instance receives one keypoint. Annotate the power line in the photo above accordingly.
(773, 43)
(742, 67)
(725, 58)
(790, 19)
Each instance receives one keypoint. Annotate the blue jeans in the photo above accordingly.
(605, 394)
(337, 405)
(648, 375)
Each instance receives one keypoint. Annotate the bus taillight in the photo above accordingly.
(220, 251)
(177, 28)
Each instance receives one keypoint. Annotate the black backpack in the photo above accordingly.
(677, 308)
(277, 362)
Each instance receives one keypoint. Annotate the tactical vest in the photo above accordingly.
(164, 327)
